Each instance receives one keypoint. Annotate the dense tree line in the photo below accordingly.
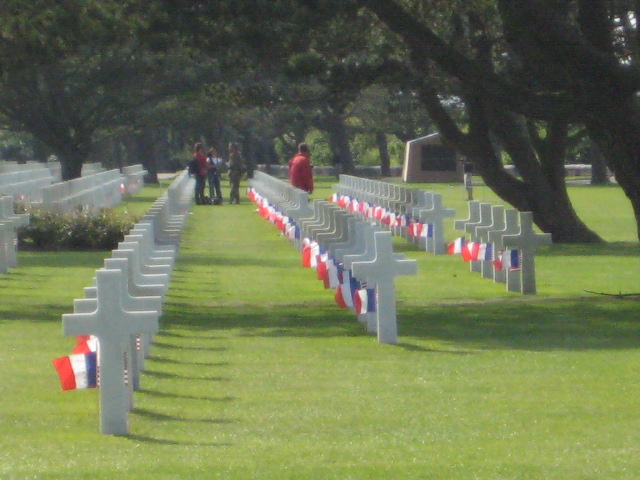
(522, 79)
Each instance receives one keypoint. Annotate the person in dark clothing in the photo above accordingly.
(214, 169)
(199, 171)
(236, 169)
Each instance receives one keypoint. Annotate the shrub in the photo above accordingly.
(81, 231)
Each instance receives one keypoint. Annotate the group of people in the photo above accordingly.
(210, 167)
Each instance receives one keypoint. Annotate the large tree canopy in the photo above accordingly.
(73, 67)
(550, 61)
(523, 76)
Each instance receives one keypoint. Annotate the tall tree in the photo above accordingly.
(70, 68)
(560, 67)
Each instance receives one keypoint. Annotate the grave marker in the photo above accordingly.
(526, 240)
(383, 268)
(512, 279)
(435, 216)
(114, 327)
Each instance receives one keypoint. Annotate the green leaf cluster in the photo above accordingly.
(81, 231)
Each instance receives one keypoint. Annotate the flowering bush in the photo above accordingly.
(81, 231)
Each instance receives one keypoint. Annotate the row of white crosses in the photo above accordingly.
(365, 251)
(291, 201)
(505, 230)
(9, 224)
(123, 307)
(88, 193)
(134, 178)
(418, 206)
(25, 182)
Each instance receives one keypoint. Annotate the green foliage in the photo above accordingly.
(256, 374)
(82, 231)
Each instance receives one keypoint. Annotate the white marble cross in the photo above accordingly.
(435, 217)
(526, 240)
(484, 219)
(6, 246)
(130, 303)
(383, 268)
(114, 327)
(482, 234)
(138, 277)
(364, 252)
(12, 221)
(348, 240)
(474, 215)
(511, 226)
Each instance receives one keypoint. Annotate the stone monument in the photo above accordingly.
(428, 160)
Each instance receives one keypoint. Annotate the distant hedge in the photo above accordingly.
(80, 231)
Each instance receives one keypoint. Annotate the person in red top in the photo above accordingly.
(199, 172)
(300, 170)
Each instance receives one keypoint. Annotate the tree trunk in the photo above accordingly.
(599, 170)
(541, 190)
(339, 142)
(71, 164)
(615, 129)
(385, 160)
(540, 162)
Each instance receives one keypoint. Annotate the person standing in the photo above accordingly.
(467, 170)
(199, 170)
(300, 170)
(214, 170)
(236, 169)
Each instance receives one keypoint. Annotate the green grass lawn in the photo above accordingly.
(256, 374)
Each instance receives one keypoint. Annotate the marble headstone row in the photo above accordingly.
(502, 245)
(123, 306)
(89, 193)
(25, 184)
(9, 224)
(356, 248)
(134, 178)
(413, 214)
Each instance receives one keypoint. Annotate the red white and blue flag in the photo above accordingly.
(470, 251)
(78, 371)
(507, 260)
(485, 252)
(456, 246)
(364, 301)
(86, 344)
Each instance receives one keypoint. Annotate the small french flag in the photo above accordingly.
(485, 252)
(365, 301)
(78, 371)
(456, 246)
(86, 344)
(470, 251)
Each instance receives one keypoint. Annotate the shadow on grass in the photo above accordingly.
(540, 326)
(162, 417)
(61, 259)
(43, 313)
(526, 324)
(199, 258)
(172, 361)
(174, 376)
(155, 393)
(189, 347)
(612, 249)
(162, 441)
(183, 335)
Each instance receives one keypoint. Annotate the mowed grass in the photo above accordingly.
(256, 374)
